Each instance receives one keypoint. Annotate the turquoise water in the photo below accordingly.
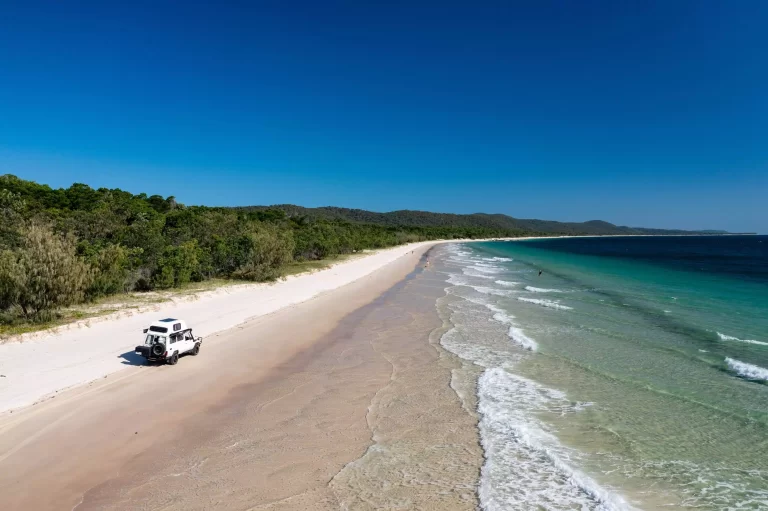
(632, 373)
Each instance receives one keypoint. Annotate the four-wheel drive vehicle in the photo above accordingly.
(166, 340)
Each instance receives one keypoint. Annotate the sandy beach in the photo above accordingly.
(37, 366)
(286, 411)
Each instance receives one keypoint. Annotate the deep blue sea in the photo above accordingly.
(632, 372)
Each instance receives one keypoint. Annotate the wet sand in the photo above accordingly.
(340, 402)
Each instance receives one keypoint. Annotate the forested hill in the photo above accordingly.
(476, 220)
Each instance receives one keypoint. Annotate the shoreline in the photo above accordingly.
(566, 367)
(36, 366)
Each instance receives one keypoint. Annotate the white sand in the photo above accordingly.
(42, 365)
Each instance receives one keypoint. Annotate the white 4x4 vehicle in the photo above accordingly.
(166, 340)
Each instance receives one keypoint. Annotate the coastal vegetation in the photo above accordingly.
(60, 247)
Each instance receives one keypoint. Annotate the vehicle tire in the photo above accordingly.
(158, 349)
(174, 358)
(196, 349)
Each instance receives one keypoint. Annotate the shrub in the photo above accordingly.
(44, 273)
(176, 266)
(112, 267)
(267, 250)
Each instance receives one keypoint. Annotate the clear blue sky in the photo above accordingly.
(639, 113)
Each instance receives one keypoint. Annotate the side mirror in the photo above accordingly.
(145, 330)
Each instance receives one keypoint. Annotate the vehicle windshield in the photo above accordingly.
(154, 339)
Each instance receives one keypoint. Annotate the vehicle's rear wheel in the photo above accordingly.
(174, 358)
(196, 349)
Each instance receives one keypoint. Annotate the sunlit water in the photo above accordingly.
(632, 373)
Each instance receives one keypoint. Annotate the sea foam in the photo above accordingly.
(517, 335)
(545, 303)
(486, 268)
(506, 283)
(542, 290)
(457, 280)
(500, 314)
(724, 337)
(525, 466)
(492, 291)
(749, 371)
(470, 272)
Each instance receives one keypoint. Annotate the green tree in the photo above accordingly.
(44, 273)
(265, 252)
(112, 269)
(177, 265)
(11, 209)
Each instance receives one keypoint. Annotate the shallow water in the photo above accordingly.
(630, 374)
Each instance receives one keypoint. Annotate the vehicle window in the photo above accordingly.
(188, 336)
(154, 339)
(160, 329)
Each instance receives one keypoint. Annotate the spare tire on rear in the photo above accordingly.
(158, 349)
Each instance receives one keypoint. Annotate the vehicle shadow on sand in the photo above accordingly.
(130, 358)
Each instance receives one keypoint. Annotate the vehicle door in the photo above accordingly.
(189, 340)
(174, 344)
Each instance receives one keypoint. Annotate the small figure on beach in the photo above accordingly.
(539, 273)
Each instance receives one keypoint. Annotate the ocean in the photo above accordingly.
(632, 373)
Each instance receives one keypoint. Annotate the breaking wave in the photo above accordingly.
(517, 335)
(525, 465)
(470, 272)
(552, 304)
(482, 268)
(749, 371)
(500, 314)
(491, 291)
(458, 280)
(542, 290)
(724, 337)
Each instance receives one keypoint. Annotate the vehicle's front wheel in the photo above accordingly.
(174, 358)
(196, 349)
